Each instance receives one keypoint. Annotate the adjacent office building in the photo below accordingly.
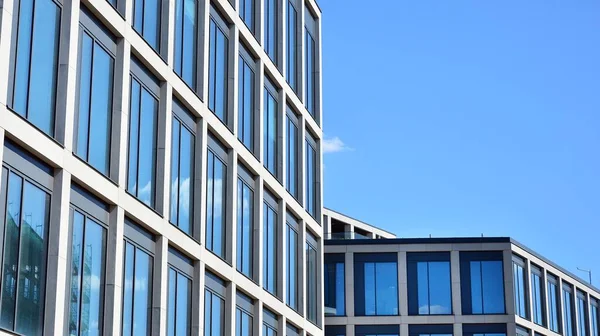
(377, 284)
(161, 167)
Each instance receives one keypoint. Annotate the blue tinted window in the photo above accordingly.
(247, 13)
(334, 287)
(582, 319)
(270, 21)
(146, 21)
(186, 23)
(179, 304)
(270, 248)
(310, 87)
(270, 131)
(246, 104)
(88, 249)
(519, 289)
(292, 156)
(137, 291)
(182, 176)
(537, 297)
(142, 152)
(214, 314)
(594, 317)
(243, 322)
(375, 284)
(569, 329)
(35, 62)
(486, 287)
(292, 59)
(429, 285)
(245, 227)
(311, 282)
(215, 204)
(24, 259)
(96, 68)
(268, 331)
(310, 176)
(292, 267)
(553, 305)
(217, 69)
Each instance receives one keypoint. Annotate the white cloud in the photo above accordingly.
(334, 145)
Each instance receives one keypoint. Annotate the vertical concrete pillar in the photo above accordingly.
(455, 280)
(258, 233)
(114, 271)
(509, 297)
(200, 180)
(122, 81)
(528, 288)
(402, 285)
(349, 280)
(160, 287)
(163, 152)
(230, 310)
(197, 327)
(231, 207)
(6, 21)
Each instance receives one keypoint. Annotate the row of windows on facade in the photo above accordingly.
(482, 288)
(493, 329)
(35, 53)
(93, 143)
(26, 197)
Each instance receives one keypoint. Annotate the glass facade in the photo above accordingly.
(137, 290)
(147, 20)
(582, 313)
(186, 25)
(310, 56)
(429, 285)
(519, 288)
(312, 277)
(269, 324)
(334, 278)
(310, 176)
(245, 225)
(179, 304)
(483, 279)
(246, 100)
(270, 247)
(183, 142)
(292, 263)
(34, 62)
(270, 157)
(270, 25)
(537, 295)
(243, 315)
(214, 306)
(594, 317)
(291, 147)
(553, 304)
(218, 65)
(567, 309)
(216, 190)
(292, 53)
(96, 68)
(247, 10)
(141, 176)
(376, 284)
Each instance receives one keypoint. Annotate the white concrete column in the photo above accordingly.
(163, 151)
(197, 327)
(6, 21)
(200, 181)
(545, 303)
(402, 285)
(458, 329)
(114, 271)
(282, 242)
(528, 288)
(57, 293)
(349, 281)
(509, 297)
(122, 83)
(160, 287)
(456, 290)
(404, 329)
(230, 310)
(258, 233)
(231, 223)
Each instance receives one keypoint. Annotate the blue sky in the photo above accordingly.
(457, 118)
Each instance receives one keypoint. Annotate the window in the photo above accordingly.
(137, 280)
(334, 285)
(25, 209)
(88, 259)
(311, 277)
(335, 330)
(216, 197)
(271, 32)
(34, 62)
(243, 315)
(519, 288)
(292, 228)
(377, 330)
(186, 49)
(292, 54)
(141, 177)
(214, 306)
(430, 330)
(245, 221)
(247, 10)
(270, 323)
(520, 331)
(292, 144)
(582, 314)
(147, 21)
(375, 284)
(553, 304)
(429, 284)
(594, 317)
(182, 168)
(95, 73)
(568, 307)
(311, 176)
(270, 158)
(311, 60)
(179, 297)
(292, 331)
(246, 95)
(484, 329)
(218, 65)
(482, 283)
(270, 247)
(537, 294)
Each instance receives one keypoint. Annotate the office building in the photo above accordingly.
(377, 284)
(161, 167)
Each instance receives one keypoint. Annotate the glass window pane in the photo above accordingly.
(270, 249)
(215, 222)
(185, 40)
(292, 159)
(218, 64)
(182, 168)
(270, 132)
(270, 22)
(292, 266)
(292, 59)
(245, 228)
(246, 104)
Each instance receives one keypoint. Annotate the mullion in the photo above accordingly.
(19, 251)
(90, 100)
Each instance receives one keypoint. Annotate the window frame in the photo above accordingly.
(313, 144)
(265, 19)
(271, 90)
(196, 86)
(244, 305)
(360, 259)
(249, 60)
(312, 243)
(272, 204)
(293, 119)
(554, 280)
(160, 48)
(311, 35)
(379, 330)
(246, 178)
(473, 329)
(225, 28)
(568, 288)
(581, 296)
(214, 286)
(412, 261)
(293, 225)
(466, 257)
(220, 153)
(292, 49)
(184, 266)
(334, 259)
(430, 329)
(537, 271)
(519, 262)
